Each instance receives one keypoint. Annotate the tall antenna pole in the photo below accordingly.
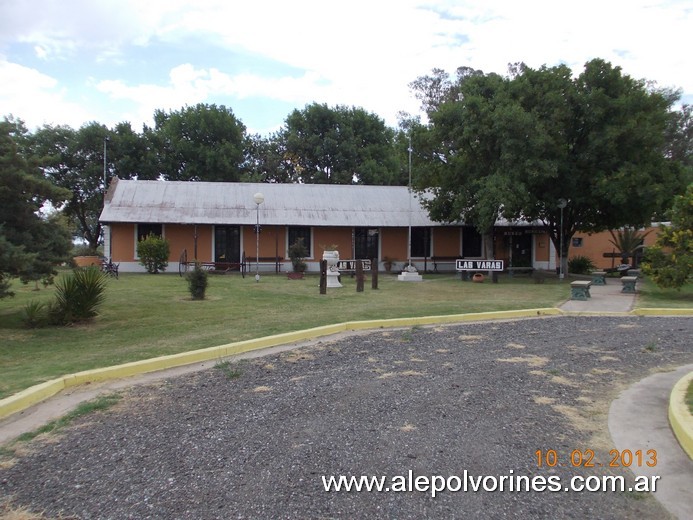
(409, 238)
(409, 274)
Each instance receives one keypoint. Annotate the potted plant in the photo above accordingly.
(388, 263)
(85, 256)
(331, 254)
(297, 255)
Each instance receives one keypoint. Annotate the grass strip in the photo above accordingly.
(95, 405)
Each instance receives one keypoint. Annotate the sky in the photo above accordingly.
(71, 62)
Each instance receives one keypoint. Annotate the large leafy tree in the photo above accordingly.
(340, 145)
(516, 146)
(74, 160)
(266, 160)
(198, 143)
(31, 244)
(680, 139)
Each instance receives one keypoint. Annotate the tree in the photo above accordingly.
(267, 161)
(200, 143)
(74, 160)
(670, 261)
(339, 145)
(437, 88)
(628, 241)
(31, 243)
(130, 155)
(514, 146)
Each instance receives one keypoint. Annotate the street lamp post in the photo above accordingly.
(259, 198)
(106, 239)
(105, 140)
(562, 203)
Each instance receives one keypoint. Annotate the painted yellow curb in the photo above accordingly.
(662, 312)
(680, 417)
(37, 393)
(451, 318)
(29, 397)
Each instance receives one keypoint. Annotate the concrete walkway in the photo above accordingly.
(605, 299)
(639, 416)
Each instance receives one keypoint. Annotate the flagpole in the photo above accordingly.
(409, 237)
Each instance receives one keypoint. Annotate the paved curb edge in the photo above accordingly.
(680, 418)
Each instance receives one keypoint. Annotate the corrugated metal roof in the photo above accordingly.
(285, 204)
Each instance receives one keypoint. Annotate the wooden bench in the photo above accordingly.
(598, 277)
(580, 290)
(274, 261)
(628, 284)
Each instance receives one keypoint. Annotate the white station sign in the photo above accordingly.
(479, 265)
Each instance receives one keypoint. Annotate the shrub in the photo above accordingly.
(670, 261)
(580, 265)
(34, 315)
(78, 295)
(198, 279)
(297, 254)
(153, 252)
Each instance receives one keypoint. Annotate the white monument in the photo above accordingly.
(410, 274)
(332, 258)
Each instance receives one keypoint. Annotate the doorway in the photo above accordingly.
(227, 244)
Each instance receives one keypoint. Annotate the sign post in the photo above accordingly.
(479, 265)
(493, 266)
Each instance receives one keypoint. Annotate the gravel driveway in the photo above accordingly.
(253, 442)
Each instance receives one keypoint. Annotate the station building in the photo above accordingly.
(216, 222)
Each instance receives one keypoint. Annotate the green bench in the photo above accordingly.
(580, 290)
(629, 284)
(598, 277)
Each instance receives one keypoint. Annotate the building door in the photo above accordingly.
(227, 244)
(520, 250)
(366, 243)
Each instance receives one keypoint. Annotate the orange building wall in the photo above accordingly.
(182, 236)
(324, 237)
(272, 241)
(393, 243)
(542, 248)
(179, 237)
(446, 241)
(500, 247)
(595, 245)
(122, 242)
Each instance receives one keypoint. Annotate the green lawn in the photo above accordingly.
(151, 315)
(651, 296)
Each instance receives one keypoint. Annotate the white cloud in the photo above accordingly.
(362, 53)
(36, 98)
